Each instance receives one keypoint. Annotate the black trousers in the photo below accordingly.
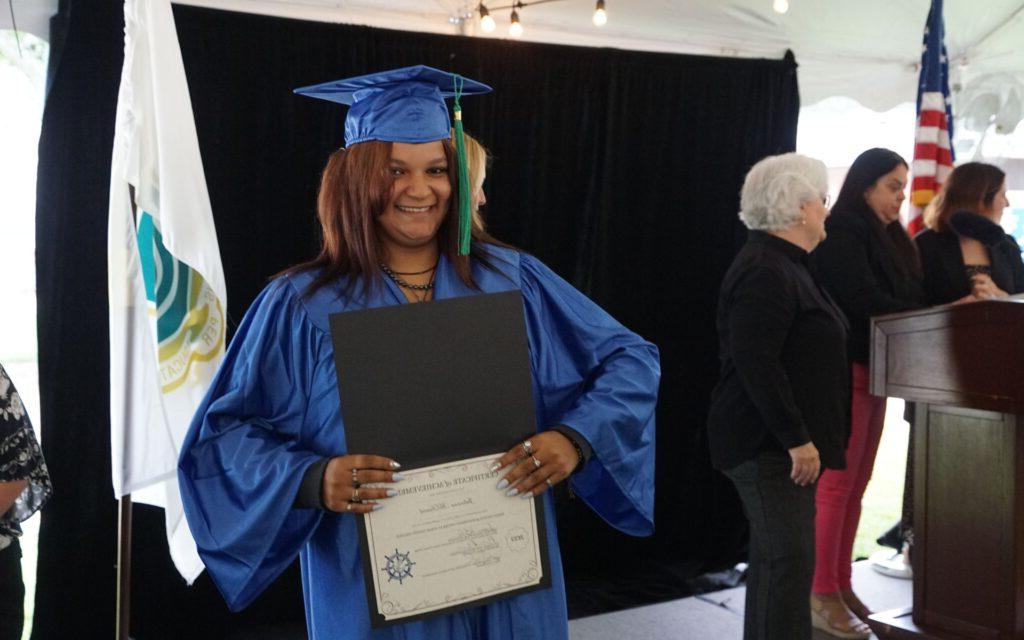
(12, 593)
(781, 516)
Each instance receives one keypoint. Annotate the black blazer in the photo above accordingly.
(945, 277)
(858, 269)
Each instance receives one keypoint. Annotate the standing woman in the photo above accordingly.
(778, 413)
(265, 471)
(870, 266)
(965, 255)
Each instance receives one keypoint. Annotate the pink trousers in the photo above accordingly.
(839, 493)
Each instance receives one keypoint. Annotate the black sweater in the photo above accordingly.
(857, 266)
(784, 375)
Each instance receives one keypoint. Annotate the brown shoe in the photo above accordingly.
(854, 604)
(831, 615)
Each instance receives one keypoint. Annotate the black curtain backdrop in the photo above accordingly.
(621, 170)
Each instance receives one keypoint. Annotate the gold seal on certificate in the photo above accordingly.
(450, 538)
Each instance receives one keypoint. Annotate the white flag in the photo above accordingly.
(167, 294)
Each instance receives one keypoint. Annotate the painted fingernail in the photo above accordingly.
(511, 492)
(528, 494)
(397, 477)
(378, 507)
(495, 467)
(502, 484)
(392, 493)
(395, 465)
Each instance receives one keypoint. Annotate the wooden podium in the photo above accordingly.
(964, 366)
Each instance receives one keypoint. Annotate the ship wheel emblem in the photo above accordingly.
(399, 566)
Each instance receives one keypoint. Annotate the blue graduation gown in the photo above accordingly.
(273, 410)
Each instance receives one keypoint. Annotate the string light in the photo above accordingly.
(780, 6)
(486, 21)
(515, 30)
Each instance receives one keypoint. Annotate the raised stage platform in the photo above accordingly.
(719, 615)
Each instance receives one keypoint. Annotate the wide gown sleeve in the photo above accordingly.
(599, 378)
(243, 458)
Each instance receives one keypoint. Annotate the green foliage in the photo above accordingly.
(25, 52)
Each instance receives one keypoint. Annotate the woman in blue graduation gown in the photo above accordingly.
(265, 473)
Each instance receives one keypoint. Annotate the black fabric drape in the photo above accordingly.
(621, 170)
(77, 534)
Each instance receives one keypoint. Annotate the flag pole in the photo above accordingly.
(124, 568)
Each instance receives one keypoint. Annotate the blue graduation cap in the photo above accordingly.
(399, 105)
(406, 105)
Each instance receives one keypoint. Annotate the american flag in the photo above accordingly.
(933, 153)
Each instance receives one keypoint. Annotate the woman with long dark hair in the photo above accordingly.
(265, 471)
(870, 266)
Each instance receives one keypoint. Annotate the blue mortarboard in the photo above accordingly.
(400, 105)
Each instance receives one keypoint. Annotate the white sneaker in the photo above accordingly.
(891, 563)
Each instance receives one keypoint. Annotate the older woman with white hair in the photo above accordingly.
(779, 412)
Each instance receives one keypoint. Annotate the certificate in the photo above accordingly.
(451, 539)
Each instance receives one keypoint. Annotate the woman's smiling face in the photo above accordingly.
(419, 194)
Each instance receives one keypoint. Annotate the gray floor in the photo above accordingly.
(719, 616)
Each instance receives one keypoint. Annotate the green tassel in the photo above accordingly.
(465, 214)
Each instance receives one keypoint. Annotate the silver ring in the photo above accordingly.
(548, 480)
(355, 495)
(537, 463)
(355, 477)
(527, 447)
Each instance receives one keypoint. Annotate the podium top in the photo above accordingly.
(968, 355)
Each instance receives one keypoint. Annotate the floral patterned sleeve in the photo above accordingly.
(20, 459)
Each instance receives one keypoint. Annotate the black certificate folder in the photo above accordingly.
(433, 382)
(436, 382)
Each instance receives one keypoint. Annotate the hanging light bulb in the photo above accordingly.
(780, 6)
(600, 17)
(486, 21)
(515, 30)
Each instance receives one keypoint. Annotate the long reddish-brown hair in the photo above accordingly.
(970, 187)
(354, 190)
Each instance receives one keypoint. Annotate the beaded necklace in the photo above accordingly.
(421, 291)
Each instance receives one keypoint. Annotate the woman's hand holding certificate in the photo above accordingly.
(538, 463)
(345, 476)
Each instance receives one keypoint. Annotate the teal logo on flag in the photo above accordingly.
(189, 317)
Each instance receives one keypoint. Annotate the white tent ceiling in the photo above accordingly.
(864, 49)
(32, 16)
